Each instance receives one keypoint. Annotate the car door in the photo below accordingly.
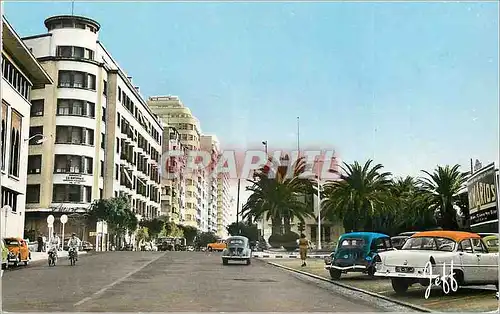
(468, 260)
(487, 262)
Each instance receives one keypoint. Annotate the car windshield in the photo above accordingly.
(352, 243)
(12, 242)
(429, 244)
(492, 242)
(236, 241)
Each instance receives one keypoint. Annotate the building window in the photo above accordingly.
(33, 193)
(73, 164)
(76, 79)
(117, 145)
(104, 114)
(75, 107)
(16, 78)
(15, 143)
(102, 168)
(9, 197)
(74, 135)
(36, 130)
(103, 141)
(37, 108)
(75, 52)
(117, 172)
(34, 164)
(71, 193)
(4, 132)
(105, 88)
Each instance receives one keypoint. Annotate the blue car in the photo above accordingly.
(356, 252)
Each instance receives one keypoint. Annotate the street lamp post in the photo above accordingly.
(43, 138)
(319, 214)
(263, 217)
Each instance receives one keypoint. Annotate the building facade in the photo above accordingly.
(173, 113)
(102, 138)
(20, 71)
(210, 144)
(173, 180)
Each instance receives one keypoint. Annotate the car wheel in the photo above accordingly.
(399, 285)
(17, 261)
(335, 273)
(224, 261)
(210, 249)
(248, 262)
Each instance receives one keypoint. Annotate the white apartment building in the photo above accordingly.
(173, 113)
(223, 204)
(210, 144)
(102, 138)
(173, 196)
(20, 71)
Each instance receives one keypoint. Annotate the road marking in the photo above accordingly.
(114, 283)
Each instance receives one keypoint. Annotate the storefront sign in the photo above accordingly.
(64, 209)
(447, 281)
(74, 178)
(482, 191)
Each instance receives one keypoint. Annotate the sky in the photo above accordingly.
(409, 85)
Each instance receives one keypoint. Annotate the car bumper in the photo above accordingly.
(236, 257)
(343, 268)
(415, 276)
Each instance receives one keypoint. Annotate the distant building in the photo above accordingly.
(20, 71)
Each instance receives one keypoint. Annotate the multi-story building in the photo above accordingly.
(20, 71)
(210, 144)
(102, 138)
(173, 113)
(223, 204)
(172, 177)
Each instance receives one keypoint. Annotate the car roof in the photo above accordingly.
(369, 235)
(453, 235)
(490, 237)
(237, 238)
(400, 237)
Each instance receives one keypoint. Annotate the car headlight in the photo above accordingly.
(368, 258)
(328, 260)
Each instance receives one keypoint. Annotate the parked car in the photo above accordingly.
(491, 242)
(238, 249)
(20, 253)
(356, 252)
(220, 245)
(87, 246)
(407, 266)
(398, 241)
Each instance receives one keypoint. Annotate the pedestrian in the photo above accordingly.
(303, 245)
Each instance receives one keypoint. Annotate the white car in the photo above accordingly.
(423, 256)
(238, 249)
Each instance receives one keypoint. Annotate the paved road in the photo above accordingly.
(160, 282)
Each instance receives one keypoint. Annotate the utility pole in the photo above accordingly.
(238, 206)
(264, 216)
(298, 134)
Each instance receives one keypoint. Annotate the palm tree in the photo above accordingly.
(277, 194)
(443, 187)
(358, 196)
(410, 205)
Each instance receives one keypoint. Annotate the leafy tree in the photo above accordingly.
(170, 229)
(245, 229)
(189, 232)
(142, 235)
(442, 187)
(155, 226)
(358, 196)
(204, 238)
(117, 214)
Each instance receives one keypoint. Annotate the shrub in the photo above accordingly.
(275, 241)
(289, 241)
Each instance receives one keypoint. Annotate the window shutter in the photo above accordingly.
(84, 135)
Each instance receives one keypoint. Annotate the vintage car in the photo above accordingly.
(219, 245)
(434, 250)
(356, 252)
(491, 242)
(398, 241)
(238, 249)
(19, 251)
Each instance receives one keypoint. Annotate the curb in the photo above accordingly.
(373, 294)
(270, 256)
